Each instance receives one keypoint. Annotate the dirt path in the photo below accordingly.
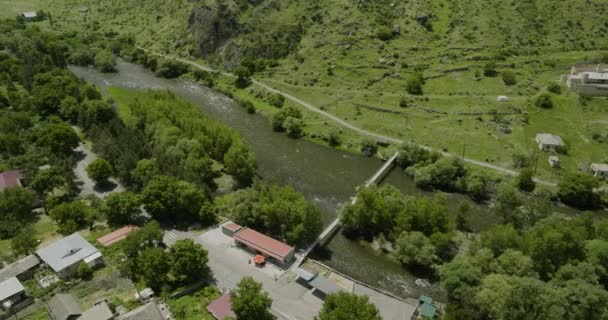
(346, 124)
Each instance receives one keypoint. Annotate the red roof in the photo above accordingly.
(232, 226)
(118, 235)
(221, 308)
(263, 243)
(9, 179)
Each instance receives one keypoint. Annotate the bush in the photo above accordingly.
(554, 87)
(84, 272)
(525, 180)
(544, 101)
(171, 69)
(277, 100)
(369, 147)
(489, 70)
(521, 160)
(105, 61)
(385, 33)
(414, 84)
(404, 102)
(509, 78)
(248, 105)
(294, 127)
(334, 139)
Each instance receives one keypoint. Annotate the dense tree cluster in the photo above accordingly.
(347, 306)
(281, 212)
(556, 270)
(249, 301)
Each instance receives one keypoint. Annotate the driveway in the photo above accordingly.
(85, 184)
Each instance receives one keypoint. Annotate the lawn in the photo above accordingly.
(39, 314)
(193, 306)
(45, 231)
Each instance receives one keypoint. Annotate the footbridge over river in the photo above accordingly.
(334, 226)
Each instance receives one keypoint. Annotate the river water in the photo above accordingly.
(327, 177)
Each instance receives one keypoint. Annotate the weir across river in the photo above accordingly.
(334, 226)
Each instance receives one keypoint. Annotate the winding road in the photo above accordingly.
(343, 123)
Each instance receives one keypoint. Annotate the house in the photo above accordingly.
(549, 142)
(221, 308)
(64, 255)
(63, 307)
(599, 170)
(554, 161)
(22, 269)
(116, 236)
(589, 80)
(426, 309)
(10, 179)
(260, 243)
(11, 293)
(100, 311)
(30, 16)
(148, 311)
(230, 228)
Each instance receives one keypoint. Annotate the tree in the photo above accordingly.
(578, 190)
(46, 181)
(489, 69)
(294, 127)
(188, 261)
(554, 87)
(100, 171)
(105, 61)
(240, 162)
(83, 271)
(509, 78)
(72, 216)
(531, 298)
(242, 77)
(171, 69)
(122, 208)
(414, 84)
(277, 100)
(347, 306)
(369, 147)
(525, 180)
(333, 139)
(414, 248)
(148, 236)
(169, 199)
(15, 210)
(59, 138)
(144, 171)
(508, 201)
(515, 263)
(249, 301)
(500, 237)
(460, 278)
(544, 101)
(462, 216)
(153, 266)
(24, 243)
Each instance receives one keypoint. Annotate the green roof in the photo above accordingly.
(428, 310)
(426, 299)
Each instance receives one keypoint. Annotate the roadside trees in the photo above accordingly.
(169, 199)
(250, 301)
(240, 162)
(122, 208)
(72, 216)
(525, 180)
(24, 243)
(578, 190)
(105, 61)
(348, 306)
(188, 261)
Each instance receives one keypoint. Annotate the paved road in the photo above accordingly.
(345, 123)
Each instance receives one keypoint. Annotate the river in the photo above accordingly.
(327, 177)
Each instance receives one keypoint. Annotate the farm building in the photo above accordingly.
(11, 292)
(63, 307)
(590, 80)
(599, 170)
(148, 311)
(549, 142)
(10, 179)
(64, 255)
(116, 236)
(221, 308)
(22, 268)
(257, 242)
(100, 311)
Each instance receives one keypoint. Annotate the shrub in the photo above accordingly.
(525, 180)
(509, 78)
(404, 102)
(248, 105)
(385, 33)
(414, 84)
(489, 70)
(554, 87)
(334, 139)
(369, 147)
(294, 127)
(277, 100)
(84, 272)
(544, 101)
(521, 160)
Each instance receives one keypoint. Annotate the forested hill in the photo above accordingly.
(271, 29)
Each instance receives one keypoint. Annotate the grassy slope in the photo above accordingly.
(368, 71)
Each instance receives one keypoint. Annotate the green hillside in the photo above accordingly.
(355, 58)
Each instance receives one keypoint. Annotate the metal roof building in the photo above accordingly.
(323, 285)
(99, 311)
(266, 245)
(64, 255)
(9, 288)
(63, 307)
(148, 311)
(19, 267)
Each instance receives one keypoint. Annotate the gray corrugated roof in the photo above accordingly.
(10, 287)
(599, 167)
(148, 311)
(98, 312)
(30, 14)
(324, 285)
(62, 306)
(549, 139)
(66, 252)
(18, 267)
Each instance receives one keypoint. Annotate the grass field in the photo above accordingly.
(194, 305)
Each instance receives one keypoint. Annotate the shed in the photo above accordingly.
(21, 268)
(11, 291)
(323, 285)
(29, 15)
(549, 142)
(305, 274)
(502, 98)
(63, 307)
(64, 255)
(230, 228)
(599, 170)
(258, 242)
(10, 179)
(428, 311)
(100, 311)
(144, 294)
(221, 308)
(554, 161)
(116, 236)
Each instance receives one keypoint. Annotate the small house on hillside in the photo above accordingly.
(589, 80)
(63, 307)
(600, 170)
(64, 255)
(10, 179)
(30, 16)
(11, 293)
(549, 142)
